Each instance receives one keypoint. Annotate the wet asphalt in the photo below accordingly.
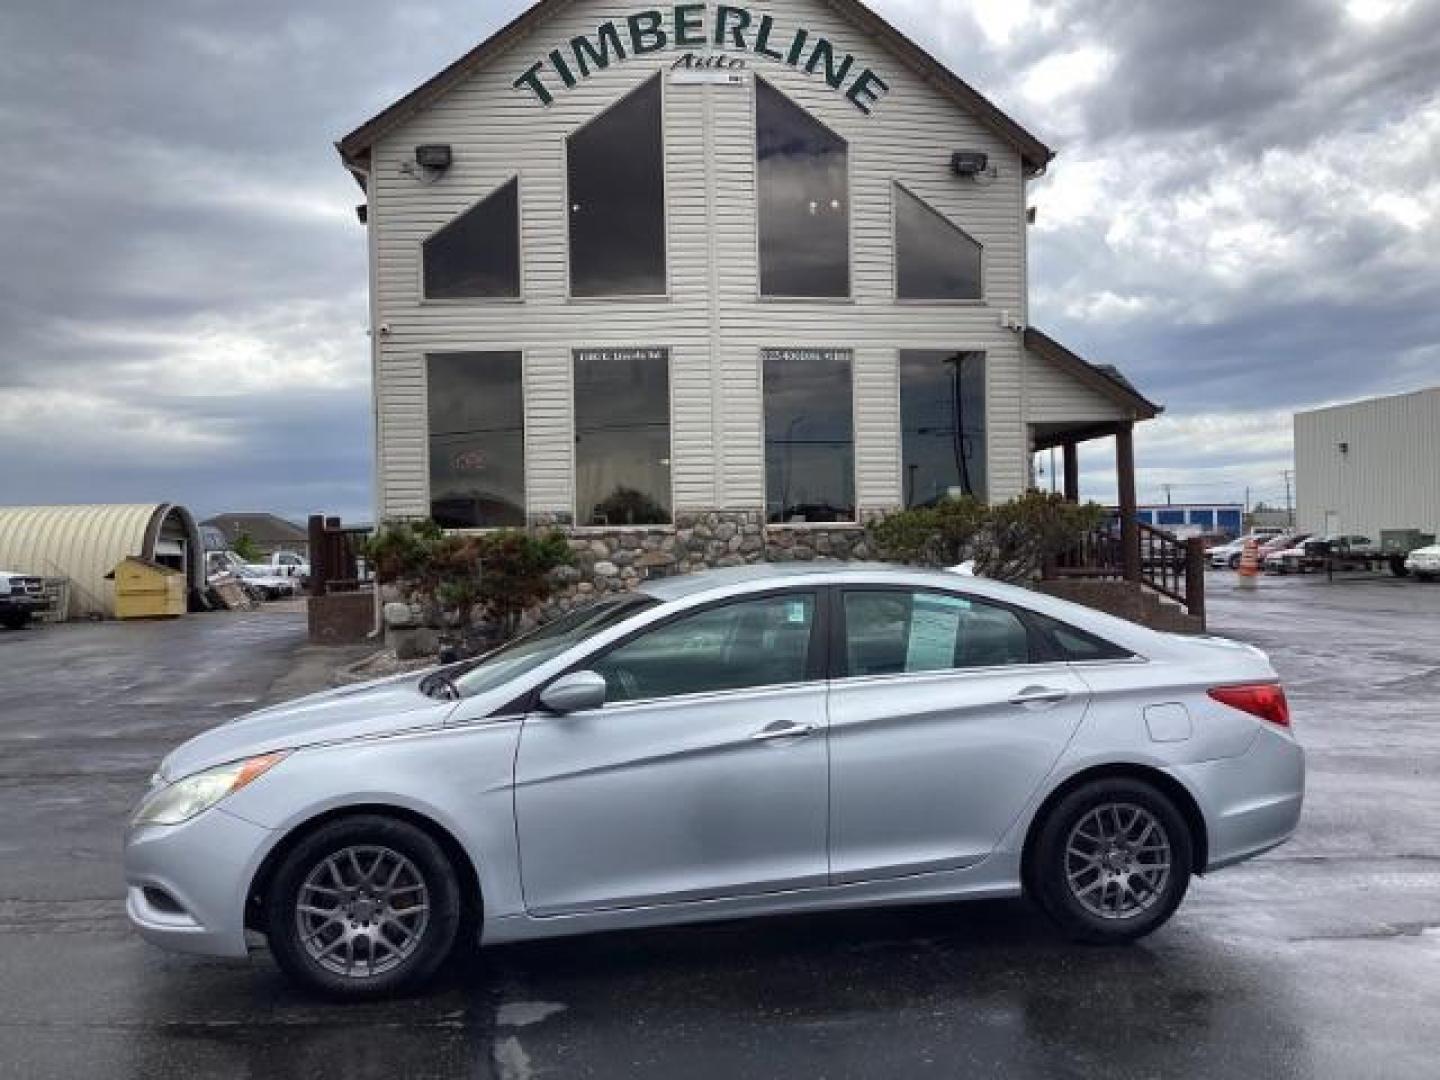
(1319, 960)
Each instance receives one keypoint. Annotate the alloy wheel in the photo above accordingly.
(362, 911)
(1117, 860)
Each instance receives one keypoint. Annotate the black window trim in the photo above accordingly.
(642, 298)
(816, 667)
(1041, 651)
(517, 178)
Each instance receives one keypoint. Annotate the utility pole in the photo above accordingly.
(1169, 494)
(1289, 496)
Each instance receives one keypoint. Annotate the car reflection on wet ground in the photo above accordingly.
(1319, 960)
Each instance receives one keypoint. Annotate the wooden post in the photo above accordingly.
(1072, 472)
(1195, 578)
(1129, 501)
(319, 566)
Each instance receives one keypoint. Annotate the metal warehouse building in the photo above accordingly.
(1371, 466)
(760, 266)
(83, 544)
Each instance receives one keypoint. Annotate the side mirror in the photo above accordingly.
(577, 692)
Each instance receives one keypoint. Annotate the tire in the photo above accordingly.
(333, 866)
(16, 619)
(1426, 578)
(1234, 562)
(1096, 913)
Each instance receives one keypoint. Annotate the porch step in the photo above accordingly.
(1128, 601)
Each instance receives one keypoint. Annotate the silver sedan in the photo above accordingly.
(724, 745)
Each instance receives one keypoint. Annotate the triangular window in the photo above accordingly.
(935, 259)
(477, 256)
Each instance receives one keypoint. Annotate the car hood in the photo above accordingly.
(1430, 552)
(366, 710)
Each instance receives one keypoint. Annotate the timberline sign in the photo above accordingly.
(684, 26)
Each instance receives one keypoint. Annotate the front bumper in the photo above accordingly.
(1251, 803)
(188, 884)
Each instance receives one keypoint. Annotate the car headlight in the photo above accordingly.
(184, 799)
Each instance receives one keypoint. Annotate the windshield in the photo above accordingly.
(549, 641)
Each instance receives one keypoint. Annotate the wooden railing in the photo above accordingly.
(1158, 560)
(336, 562)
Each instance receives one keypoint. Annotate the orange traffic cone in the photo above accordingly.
(1250, 565)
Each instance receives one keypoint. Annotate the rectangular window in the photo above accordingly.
(809, 436)
(804, 193)
(616, 168)
(942, 419)
(622, 436)
(477, 440)
(906, 633)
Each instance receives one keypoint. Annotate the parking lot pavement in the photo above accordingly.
(1320, 960)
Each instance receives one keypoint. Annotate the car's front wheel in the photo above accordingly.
(1112, 861)
(363, 907)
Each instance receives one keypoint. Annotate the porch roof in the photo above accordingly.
(1124, 405)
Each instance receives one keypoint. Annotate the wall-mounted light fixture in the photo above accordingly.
(1344, 448)
(969, 163)
(436, 156)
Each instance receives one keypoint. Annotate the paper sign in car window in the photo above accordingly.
(796, 610)
(934, 627)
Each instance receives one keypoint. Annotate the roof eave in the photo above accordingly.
(1124, 395)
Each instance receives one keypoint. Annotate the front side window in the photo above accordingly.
(622, 436)
(934, 258)
(809, 436)
(906, 633)
(477, 256)
(739, 646)
(616, 166)
(804, 194)
(942, 421)
(477, 440)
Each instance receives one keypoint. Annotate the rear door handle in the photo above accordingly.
(784, 730)
(1039, 695)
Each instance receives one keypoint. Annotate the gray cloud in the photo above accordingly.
(1243, 217)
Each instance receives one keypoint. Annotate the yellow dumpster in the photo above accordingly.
(147, 590)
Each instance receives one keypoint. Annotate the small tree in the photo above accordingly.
(244, 545)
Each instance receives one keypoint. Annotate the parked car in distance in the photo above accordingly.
(1424, 563)
(1287, 557)
(269, 585)
(1227, 556)
(21, 596)
(763, 740)
(1341, 551)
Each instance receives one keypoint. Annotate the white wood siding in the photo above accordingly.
(713, 320)
(1056, 396)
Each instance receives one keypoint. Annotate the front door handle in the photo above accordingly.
(1039, 695)
(784, 729)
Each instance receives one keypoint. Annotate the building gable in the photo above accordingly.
(711, 38)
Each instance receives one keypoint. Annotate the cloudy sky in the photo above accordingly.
(1243, 216)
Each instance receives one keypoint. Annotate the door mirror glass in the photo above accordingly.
(579, 691)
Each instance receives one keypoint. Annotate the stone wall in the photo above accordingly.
(610, 561)
(616, 560)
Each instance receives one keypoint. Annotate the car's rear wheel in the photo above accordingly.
(363, 907)
(15, 620)
(1112, 861)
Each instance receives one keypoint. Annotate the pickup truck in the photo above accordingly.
(21, 595)
(284, 564)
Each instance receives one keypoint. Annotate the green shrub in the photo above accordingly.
(499, 574)
(1008, 542)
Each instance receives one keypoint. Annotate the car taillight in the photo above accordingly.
(1267, 701)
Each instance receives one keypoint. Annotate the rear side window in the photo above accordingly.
(1076, 646)
(905, 632)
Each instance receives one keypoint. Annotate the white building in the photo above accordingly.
(1370, 467)
(633, 265)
